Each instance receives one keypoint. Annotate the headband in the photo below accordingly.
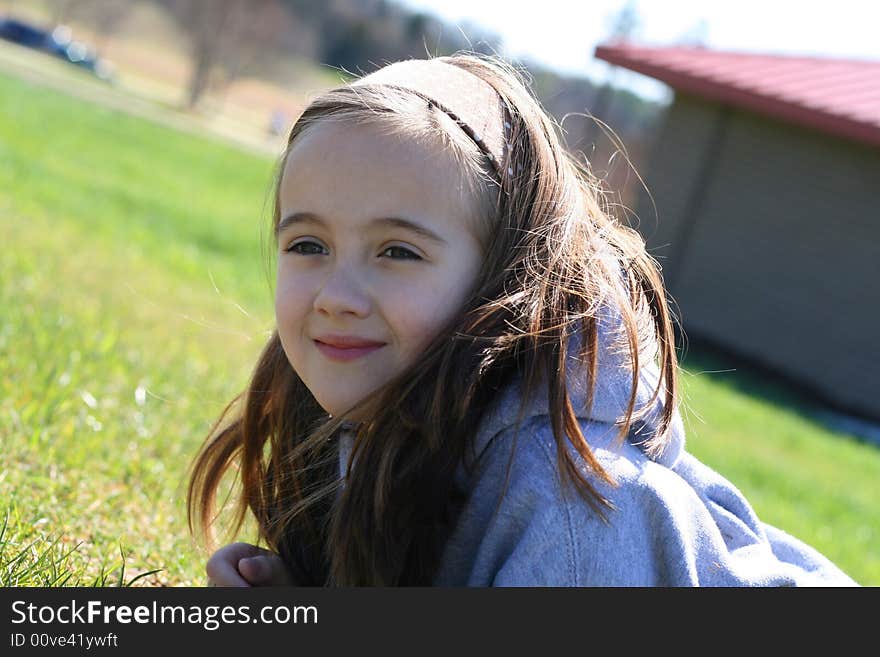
(467, 99)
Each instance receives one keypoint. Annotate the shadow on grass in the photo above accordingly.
(755, 379)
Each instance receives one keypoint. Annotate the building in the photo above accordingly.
(766, 183)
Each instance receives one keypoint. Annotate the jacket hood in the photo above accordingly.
(610, 398)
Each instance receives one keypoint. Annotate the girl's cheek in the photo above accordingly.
(420, 317)
(291, 299)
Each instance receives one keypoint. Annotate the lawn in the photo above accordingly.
(135, 296)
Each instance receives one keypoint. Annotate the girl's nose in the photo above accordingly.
(342, 292)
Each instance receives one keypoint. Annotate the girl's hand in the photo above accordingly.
(243, 564)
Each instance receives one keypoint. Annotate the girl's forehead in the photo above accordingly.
(344, 169)
(351, 153)
(336, 139)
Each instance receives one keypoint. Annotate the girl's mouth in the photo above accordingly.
(344, 354)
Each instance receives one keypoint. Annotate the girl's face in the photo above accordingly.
(377, 250)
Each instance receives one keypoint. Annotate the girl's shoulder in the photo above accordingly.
(531, 453)
(669, 524)
(523, 524)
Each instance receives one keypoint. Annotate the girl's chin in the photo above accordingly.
(335, 404)
(337, 409)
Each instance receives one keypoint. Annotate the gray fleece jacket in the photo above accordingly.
(676, 522)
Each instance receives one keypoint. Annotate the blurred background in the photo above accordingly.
(138, 140)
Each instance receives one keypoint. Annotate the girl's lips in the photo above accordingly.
(344, 355)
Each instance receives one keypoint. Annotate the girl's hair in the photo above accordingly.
(554, 259)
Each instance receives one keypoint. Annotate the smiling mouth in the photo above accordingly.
(345, 354)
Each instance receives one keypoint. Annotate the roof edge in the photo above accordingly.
(818, 119)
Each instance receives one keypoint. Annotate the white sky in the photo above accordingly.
(563, 33)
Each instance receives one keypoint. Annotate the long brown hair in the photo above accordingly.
(554, 257)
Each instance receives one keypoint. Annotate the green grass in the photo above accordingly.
(820, 485)
(134, 300)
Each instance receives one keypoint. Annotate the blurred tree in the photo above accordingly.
(696, 36)
(355, 34)
(108, 16)
(227, 37)
(256, 31)
(624, 24)
(61, 10)
(104, 16)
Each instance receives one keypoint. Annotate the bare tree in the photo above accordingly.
(256, 31)
(696, 35)
(60, 10)
(105, 17)
(624, 23)
(227, 36)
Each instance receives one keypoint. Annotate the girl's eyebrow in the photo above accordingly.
(396, 222)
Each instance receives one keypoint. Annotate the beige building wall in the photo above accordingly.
(769, 236)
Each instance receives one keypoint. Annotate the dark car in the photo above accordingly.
(58, 42)
(23, 33)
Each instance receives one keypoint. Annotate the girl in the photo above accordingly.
(473, 376)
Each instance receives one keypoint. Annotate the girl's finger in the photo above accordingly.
(266, 570)
(222, 571)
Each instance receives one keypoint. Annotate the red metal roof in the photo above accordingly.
(838, 96)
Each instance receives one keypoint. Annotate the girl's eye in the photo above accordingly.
(295, 248)
(407, 254)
